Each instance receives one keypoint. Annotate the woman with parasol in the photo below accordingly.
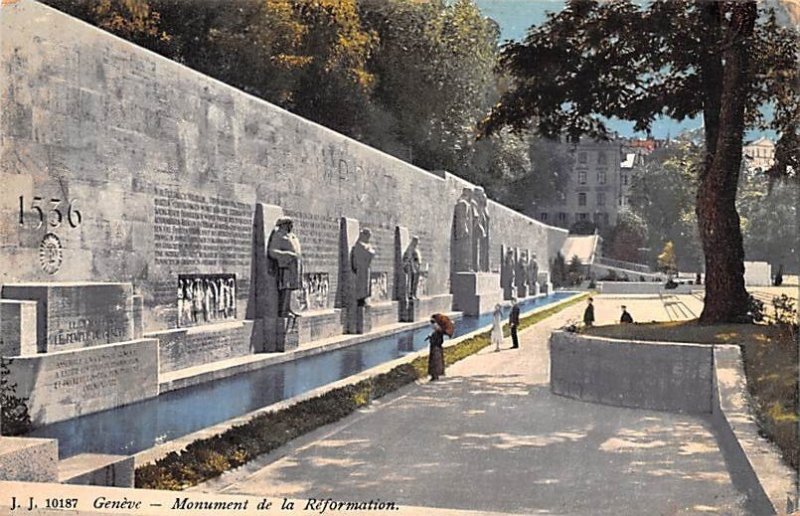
(441, 325)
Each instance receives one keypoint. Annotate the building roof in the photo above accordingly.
(630, 158)
(583, 246)
(761, 141)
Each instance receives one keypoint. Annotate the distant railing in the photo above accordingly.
(638, 267)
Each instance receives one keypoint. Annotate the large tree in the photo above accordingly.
(679, 58)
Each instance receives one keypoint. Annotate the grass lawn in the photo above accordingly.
(770, 362)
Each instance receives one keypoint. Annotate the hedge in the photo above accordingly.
(207, 458)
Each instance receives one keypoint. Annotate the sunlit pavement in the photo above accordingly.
(491, 437)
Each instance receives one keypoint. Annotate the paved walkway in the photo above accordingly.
(491, 437)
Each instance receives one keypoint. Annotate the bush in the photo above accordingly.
(15, 417)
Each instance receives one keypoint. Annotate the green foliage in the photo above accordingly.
(435, 68)
(628, 237)
(599, 60)
(785, 311)
(663, 194)
(768, 211)
(559, 274)
(575, 272)
(13, 410)
(208, 458)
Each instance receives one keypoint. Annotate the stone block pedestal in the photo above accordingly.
(475, 293)
(96, 469)
(412, 310)
(522, 291)
(545, 286)
(267, 335)
(74, 315)
(361, 319)
(276, 334)
(26, 459)
(17, 328)
(67, 384)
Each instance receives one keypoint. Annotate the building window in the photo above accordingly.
(581, 157)
(601, 177)
(582, 177)
(543, 216)
(562, 217)
(601, 158)
(625, 179)
(583, 216)
(581, 199)
(605, 218)
(601, 198)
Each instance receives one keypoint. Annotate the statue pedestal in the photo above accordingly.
(412, 310)
(508, 293)
(409, 310)
(279, 334)
(545, 285)
(26, 459)
(522, 291)
(536, 290)
(275, 334)
(360, 320)
(475, 293)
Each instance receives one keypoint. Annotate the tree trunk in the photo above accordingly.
(726, 298)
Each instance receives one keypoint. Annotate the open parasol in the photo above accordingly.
(444, 322)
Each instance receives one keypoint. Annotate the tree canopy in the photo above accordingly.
(677, 58)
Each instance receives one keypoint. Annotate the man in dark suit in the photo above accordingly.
(513, 322)
(588, 314)
(626, 316)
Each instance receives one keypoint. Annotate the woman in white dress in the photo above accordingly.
(497, 327)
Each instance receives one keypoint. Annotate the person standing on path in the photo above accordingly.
(497, 326)
(588, 314)
(626, 317)
(441, 326)
(513, 322)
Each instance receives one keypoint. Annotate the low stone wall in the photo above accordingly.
(754, 464)
(678, 377)
(27, 459)
(642, 287)
(68, 384)
(188, 347)
(651, 375)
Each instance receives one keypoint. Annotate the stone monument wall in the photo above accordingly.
(118, 165)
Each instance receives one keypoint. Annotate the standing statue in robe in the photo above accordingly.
(533, 272)
(286, 258)
(360, 260)
(462, 232)
(521, 273)
(508, 270)
(481, 237)
(412, 263)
